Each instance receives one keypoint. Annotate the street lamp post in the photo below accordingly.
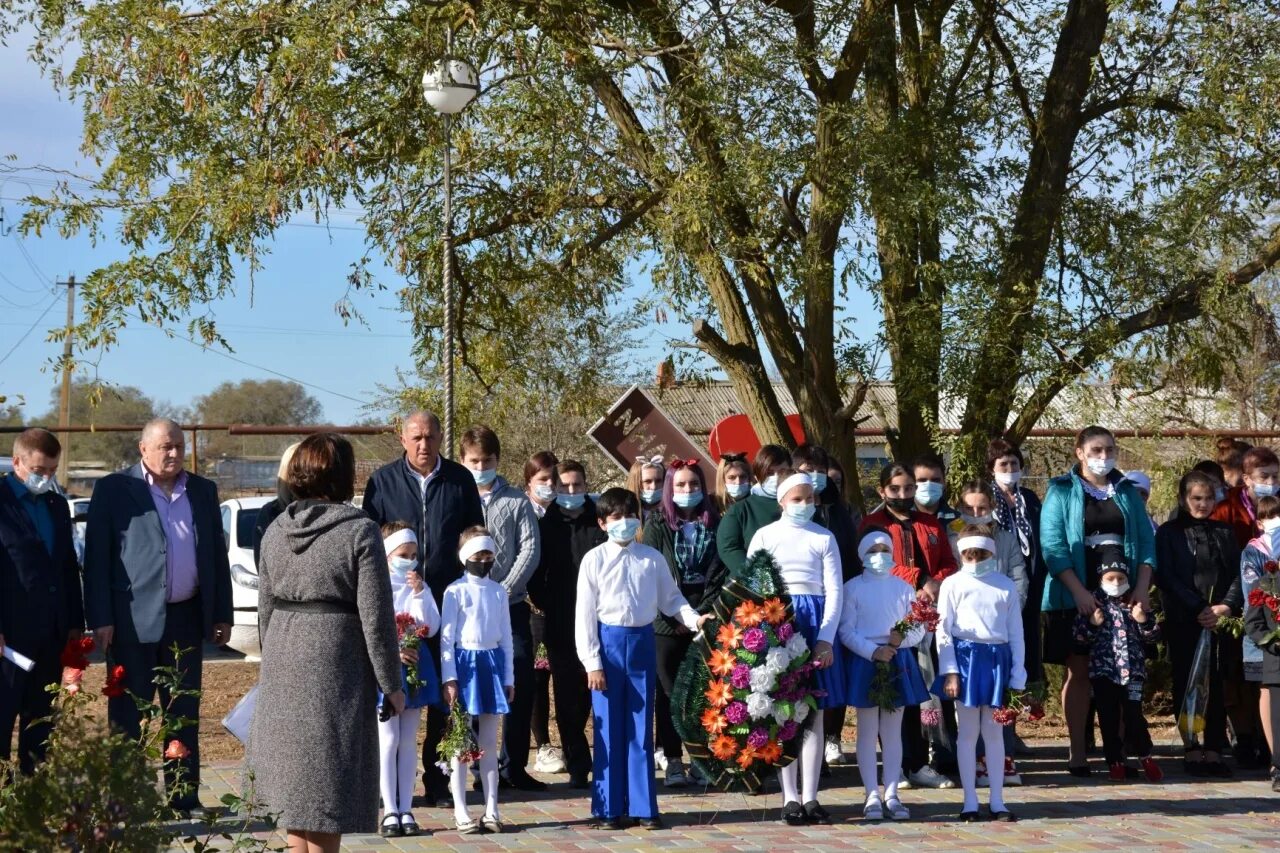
(448, 86)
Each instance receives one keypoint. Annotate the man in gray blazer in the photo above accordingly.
(156, 574)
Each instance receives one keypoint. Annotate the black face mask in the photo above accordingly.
(479, 568)
(903, 505)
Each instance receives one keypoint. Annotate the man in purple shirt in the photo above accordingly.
(156, 575)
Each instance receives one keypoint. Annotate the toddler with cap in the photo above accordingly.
(809, 561)
(1114, 638)
(980, 659)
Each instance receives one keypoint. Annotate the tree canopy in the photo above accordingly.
(252, 401)
(1031, 190)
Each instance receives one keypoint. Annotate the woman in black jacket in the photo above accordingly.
(683, 529)
(1199, 562)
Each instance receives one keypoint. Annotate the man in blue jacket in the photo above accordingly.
(40, 604)
(438, 499)
(156, 576)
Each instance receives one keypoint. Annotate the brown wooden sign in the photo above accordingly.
(636, 426)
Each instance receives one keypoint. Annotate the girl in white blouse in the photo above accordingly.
(476, 667)
(809, 563)
(874, 601)
(980, 659)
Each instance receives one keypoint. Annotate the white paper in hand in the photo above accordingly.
(18, 659)
(239, 720)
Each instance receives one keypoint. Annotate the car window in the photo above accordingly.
(246, 521)
(226, 524)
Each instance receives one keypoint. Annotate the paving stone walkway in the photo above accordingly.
(1055, 811)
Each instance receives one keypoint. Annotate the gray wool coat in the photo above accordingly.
(313, 748)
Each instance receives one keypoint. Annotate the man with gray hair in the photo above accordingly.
(156, 575)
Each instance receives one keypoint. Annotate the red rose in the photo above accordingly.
(1257, 598)
(1272, 603)
(1271, 567)
(115, 682)
(176, 750)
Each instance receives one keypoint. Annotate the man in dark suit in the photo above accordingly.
(438, 498)
(40, 604)
(156, 574)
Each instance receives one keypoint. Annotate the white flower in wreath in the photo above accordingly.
(763, 679)
(782, 712)
(797, 645)
(802, 712)
(777, 660)
(759, 705)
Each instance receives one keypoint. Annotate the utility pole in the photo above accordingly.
(64, 399)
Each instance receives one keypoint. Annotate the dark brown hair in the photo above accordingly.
(394, 527)
(894, 469)
(1268, 507)
(1091, 432)
(568, 466)
(540, 461)
(323, 468)
(770, 459)
(998, 449)
(975, 530)
(482, 440)
(471, 533)
(1258, 457)
(37, 440)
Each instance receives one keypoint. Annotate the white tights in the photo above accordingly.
(488, 740)
(886, 726)
(809, 764)
(969, 722)
(398, 747)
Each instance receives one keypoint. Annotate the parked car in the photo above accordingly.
(79, 508)
(239, 517)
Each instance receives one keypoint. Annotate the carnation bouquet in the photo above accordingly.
(744, 691)
(458, 741)
(411, 635)
(884, 689)
(1267, 595)
(1029, 701)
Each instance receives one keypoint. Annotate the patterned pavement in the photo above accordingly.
(1055, 812)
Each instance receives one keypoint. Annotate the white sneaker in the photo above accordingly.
(984, 779)
(549, 760)
(675, 775)
(834, 755)
(904, 784)
(661, 760)
(927, 777)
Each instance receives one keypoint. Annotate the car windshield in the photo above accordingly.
(246, 520)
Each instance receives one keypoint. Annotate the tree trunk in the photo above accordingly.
(828, 422)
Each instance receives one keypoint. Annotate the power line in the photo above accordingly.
(28, 332)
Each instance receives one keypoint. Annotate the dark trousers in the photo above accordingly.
(915, 740)
(1275, 724)
(1181, 639)
(515, 728)
(573, 700)
(540, 722)
(435, 783)
(24, 700)
(1115, 708)
(184, 628)
(671, 652)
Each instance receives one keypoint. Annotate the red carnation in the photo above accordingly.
(1257, 598)
(1005, 716)
(1271, 567)
(115, 682)
(1272, 603)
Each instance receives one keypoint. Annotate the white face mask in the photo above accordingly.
(1270, 524)
(878, 563)
(1008, 478)
(38, 484)
(1115, 590)
(980, 568)
(1100, 467)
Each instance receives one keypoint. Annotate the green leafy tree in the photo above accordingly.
(1032, 191)
(251, 401)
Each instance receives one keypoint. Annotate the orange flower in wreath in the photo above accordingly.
(722, 662)
(713, 721)
(775, 612)
(748, 614)
(719, 693)
(746, 757)
(770, 752)
(729, 636)
(724, 747)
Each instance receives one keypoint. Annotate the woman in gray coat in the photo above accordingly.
(328, 645)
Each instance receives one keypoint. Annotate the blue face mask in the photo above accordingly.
(878, 563)
(799, 512)
(400, 568)
(485, 476)
(544, 493)
(770, 486)
(738, 491)
(1262, 490)
(38, 484)
(571, 501)
(928, 493)
(819, 481)
(649, 497)
(980, 568)
(687, 500)
(1219, 494)
(623, 530)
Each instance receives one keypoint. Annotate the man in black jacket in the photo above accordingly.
(568, 531)
(438, 499)
(40, 600)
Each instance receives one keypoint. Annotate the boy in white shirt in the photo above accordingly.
(622, 586)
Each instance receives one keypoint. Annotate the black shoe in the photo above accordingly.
(1005, 816)
(579, 782)
(1081, 772)
(652, 823)
(1247, 758)
(609, 824)
(390, 827)
(816, 813)
(825, 772)
(1131, 772)
(1275, 781)
(1194, 768)
(1215, 770)
(189, 810)
(970, 817)
(793, 815)
(522, 781)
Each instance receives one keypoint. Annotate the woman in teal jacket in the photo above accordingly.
(1091, 516)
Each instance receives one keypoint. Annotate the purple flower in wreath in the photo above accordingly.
(758, 738)
(736, 713)
(785, 630)
(787, 730)
(755, 641)
(741, 677)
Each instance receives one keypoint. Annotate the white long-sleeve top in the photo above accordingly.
(982, 610)
(809, 561)
(476, 616)
(624, 586)
(872, 605)
(420, 605)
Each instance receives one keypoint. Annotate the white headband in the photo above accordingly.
(474, 546)
(791, 482)
(400, 537)
(876, 537)
(986, 543)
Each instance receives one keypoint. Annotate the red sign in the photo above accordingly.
(735, 434)
(636, 426)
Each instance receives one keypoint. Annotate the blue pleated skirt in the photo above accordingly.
(426, 694)
(808, 610)
(480, 680)
(985, 669)
(859, 673)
